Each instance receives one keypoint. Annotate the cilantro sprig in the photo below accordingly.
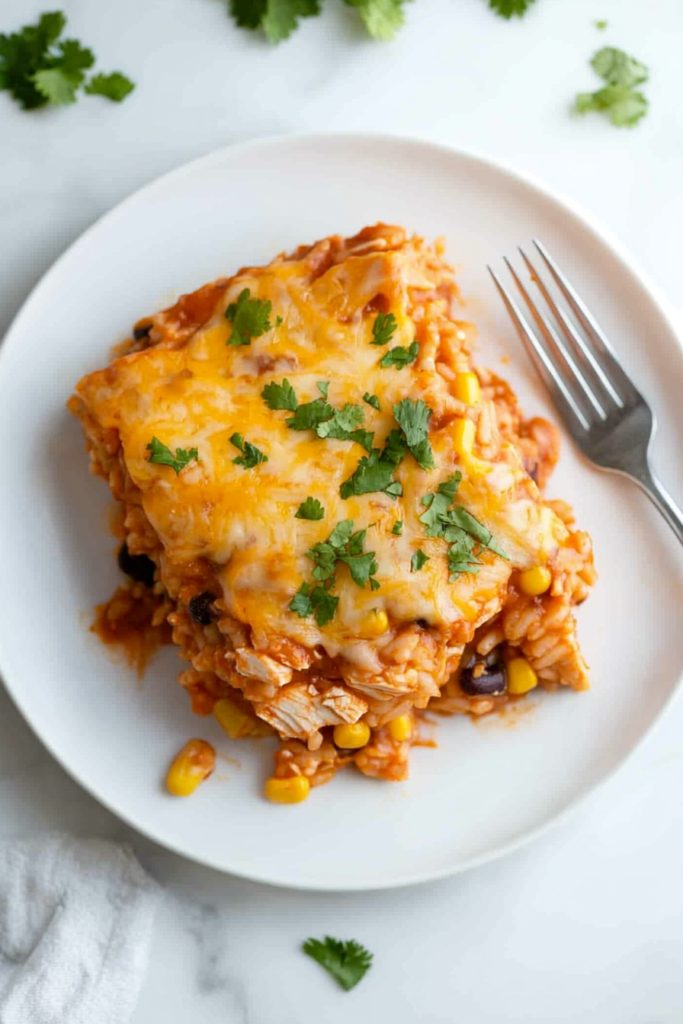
(375, 471)
(37, 67)
(249, 318)
(418, 561)
(509, 8)
(251, 455)
(347, 962)
(399, 356)
(310, 509)
(383, 329)
(328, 423)
(163, 456)
(464, 533)
(619, 99)
(342, 546)
(372, 400)
(413, 419)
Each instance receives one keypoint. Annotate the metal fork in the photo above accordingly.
(601, 407)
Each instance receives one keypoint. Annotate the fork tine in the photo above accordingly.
(621, 385)
(555, 346)
(607, 392)
(574, 418)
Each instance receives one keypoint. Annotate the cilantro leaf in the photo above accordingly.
(372, 473)
(310, 415)
(397, 528)
(464, 533)
(413, 419)
(508, 8)
(418, 560)
(347, 962)
(372, 400)
(341, 535)
(280, 396)
(251, 455)
(310, 509)
(249, 318)
(382, 18)
(323, 388)
(394, 448)
(59, 87)
(306, 601)
(361, 567)
(163, 455)
(383, 329)
(277, 18)
(625, 106)
(279, 321)
(37, 68)
(601, 25)
(618, 68)
(342, 422)
(114, 86)
(399, 356)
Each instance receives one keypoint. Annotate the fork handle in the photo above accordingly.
(662, 500)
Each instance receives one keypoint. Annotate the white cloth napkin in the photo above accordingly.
(76, 920)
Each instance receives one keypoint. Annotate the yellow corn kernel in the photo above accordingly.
(467, 388)
(400, 728)
(288, 791)
(521, 676)
(463, 433)
(351, 737)
(232, 720)
(375, 623)
(195, 762)
(535, 581)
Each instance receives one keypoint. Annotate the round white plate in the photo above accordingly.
(487, 787)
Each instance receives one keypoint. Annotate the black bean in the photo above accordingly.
(484, 677)
(201, 608)
(139, 567)
(141, 332)
(422, 623)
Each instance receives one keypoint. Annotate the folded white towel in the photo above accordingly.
(75, 926)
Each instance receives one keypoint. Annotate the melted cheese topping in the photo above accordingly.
(197, 393)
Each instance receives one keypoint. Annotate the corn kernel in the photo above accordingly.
(375, 623)
(351, 737)
(463, 433)
(535, 581)
(232, 720)
(288, 791)
(400, 728)
(521, 676)
(467, 388)
(195, 762)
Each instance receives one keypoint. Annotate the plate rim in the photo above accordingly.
(588, 221)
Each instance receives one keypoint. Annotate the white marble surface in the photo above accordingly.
(588, 921)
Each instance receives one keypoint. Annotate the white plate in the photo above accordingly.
(486, 788)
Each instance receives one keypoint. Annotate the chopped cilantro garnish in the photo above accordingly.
(466, 536)
(308, 600)
(397, 528)
(310, 509)
(38, 68)
(372, 400)
(277, 18)
(163, 455)
(323, 387)
(280, 396)
(310, 415)
(114, 87)
(601, 25)
(348, 962)
(508, 8)
(413, 419)
(249, 318)
(418, 560)
(279, 321)
(619, 99)
(342, 422)
(375, 471)
(251, 455)
(382, 18)
(383, 329)
(345, 546)
(400, 357)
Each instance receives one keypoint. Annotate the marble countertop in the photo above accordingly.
(586, 922)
